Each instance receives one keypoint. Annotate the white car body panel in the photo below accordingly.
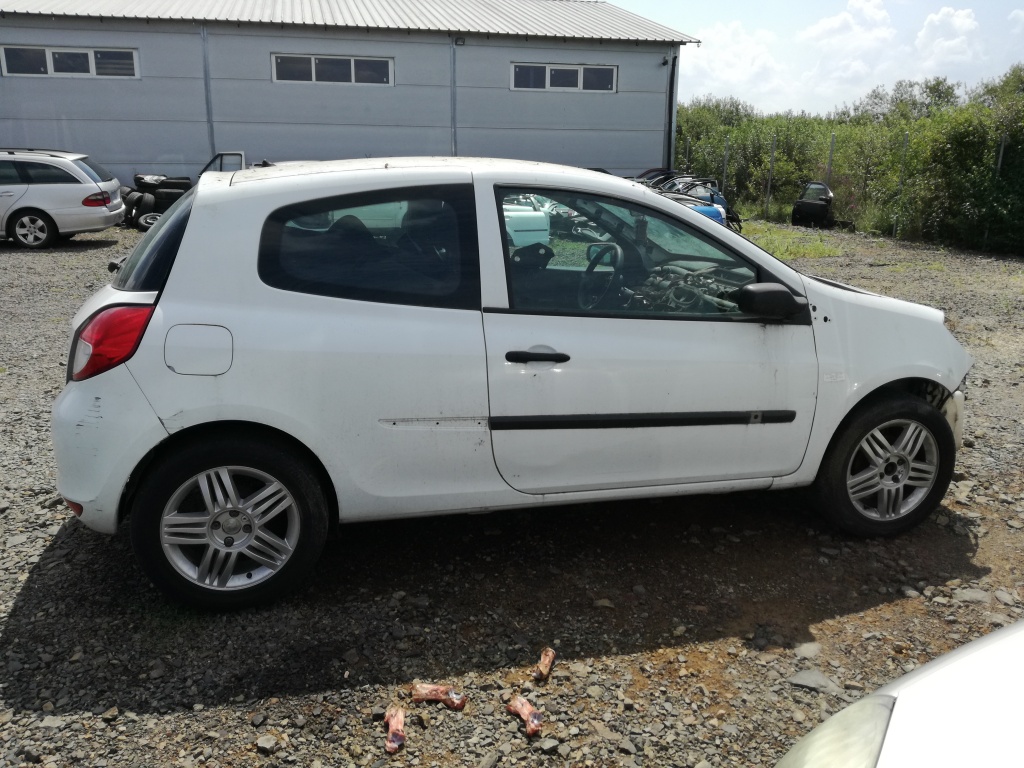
(976, 691)
(94, 410)
(864, 342)
(633, 366)
(10, 194)
(395, 400)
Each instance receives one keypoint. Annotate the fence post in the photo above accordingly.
(828, 168)
(771, 170)
(725, 166)
(686, 158)
(999, 167)
(899, 187)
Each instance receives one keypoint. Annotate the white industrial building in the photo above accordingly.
(161, 85)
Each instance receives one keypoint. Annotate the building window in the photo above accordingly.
(332, 69)
(68, 62)
(563, 77)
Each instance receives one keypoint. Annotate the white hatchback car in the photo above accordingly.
(45, 194)
(283, 352)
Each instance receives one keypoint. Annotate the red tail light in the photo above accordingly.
(96, 200)
(108, 339)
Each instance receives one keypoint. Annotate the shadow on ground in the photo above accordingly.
(481, 594)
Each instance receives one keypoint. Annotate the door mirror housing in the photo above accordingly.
(772, 301)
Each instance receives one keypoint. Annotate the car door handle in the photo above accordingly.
(536, 357)
(6, 194)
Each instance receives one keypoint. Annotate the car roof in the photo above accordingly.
(311, 167)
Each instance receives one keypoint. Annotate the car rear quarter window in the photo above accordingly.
(150, 263)
(415, 246)
(93, 170)
(44, 173)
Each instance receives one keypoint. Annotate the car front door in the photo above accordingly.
(625, 361)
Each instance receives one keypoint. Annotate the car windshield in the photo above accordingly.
(93, 170)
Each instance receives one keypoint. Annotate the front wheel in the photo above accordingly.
(228, 523)
(888, 468)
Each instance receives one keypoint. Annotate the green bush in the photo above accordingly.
(940, 185)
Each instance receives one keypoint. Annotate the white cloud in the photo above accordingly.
(872, 10)
(863, 27)
(1017, 17)
(949, 36)
(732, 60)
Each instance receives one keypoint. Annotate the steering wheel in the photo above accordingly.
(592, 290)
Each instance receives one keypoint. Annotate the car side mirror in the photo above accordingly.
(772, 301)
(825, 199)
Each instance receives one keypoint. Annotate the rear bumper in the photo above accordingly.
(102, 428)
(88, 220)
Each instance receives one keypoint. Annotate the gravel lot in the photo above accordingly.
(696, 632)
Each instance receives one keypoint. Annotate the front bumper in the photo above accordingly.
(953, 410)
(102, 428)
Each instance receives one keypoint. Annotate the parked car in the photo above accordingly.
(254, 375)
(46, 194)
(706, 190)
(813, 208)
(713, 211)
(971, 695)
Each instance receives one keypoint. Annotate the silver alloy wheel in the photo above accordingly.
(892, 469)
(31, 230)
(229, 528)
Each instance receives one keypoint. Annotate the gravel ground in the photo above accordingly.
(696, 632)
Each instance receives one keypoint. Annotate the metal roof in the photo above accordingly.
(579, 19)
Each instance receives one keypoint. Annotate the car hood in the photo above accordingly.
(974, 695)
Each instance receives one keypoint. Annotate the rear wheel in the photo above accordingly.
(888, 469)
(32, 229)
(228, 523)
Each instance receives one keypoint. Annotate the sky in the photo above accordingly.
(814, 56)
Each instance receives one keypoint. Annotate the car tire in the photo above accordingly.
(888, 467)
(146, 221)
(229, 522)
(146, 204)
(32, 229)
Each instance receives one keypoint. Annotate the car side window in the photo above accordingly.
(403, 246)
(591, 254)
(44, 173)
(8, 173)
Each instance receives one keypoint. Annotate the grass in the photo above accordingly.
(789, 243)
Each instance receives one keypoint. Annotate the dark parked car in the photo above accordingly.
(814, 206)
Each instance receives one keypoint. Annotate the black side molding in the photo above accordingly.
(641, 420)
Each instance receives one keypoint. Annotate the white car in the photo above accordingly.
(252, 377)
(960, 709)
(46, 194)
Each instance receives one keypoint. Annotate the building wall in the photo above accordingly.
(164, 122)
